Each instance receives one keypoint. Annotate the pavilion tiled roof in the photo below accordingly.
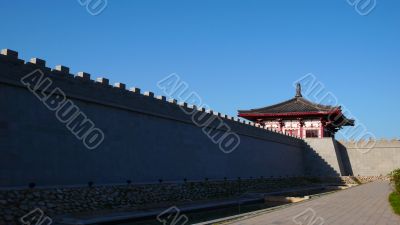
(297, 104)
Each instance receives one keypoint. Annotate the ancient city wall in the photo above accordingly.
(328, 157)
(146, 138)
(149, 139)
(370, 158)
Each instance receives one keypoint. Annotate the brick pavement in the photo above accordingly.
(362, 205)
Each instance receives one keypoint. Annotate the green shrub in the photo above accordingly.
(395, 179)
(394, 200)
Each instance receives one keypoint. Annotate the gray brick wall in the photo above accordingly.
(373, 158)
(146, 139)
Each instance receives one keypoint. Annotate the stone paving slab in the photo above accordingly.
(362, 205)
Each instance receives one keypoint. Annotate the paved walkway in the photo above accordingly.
(362, 205)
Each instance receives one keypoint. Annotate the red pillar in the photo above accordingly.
(322, 128)
(281, 125)
(301, 124)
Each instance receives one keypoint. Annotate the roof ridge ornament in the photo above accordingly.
(298, 91)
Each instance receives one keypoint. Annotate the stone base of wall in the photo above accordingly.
(367, 179)
(351, 179)
(58, 201)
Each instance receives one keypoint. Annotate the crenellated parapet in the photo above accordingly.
(371, 143)
(83, 87)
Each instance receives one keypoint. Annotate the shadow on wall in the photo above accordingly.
(316, 165)
(347, 168)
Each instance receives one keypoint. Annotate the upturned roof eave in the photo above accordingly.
(296, 100)
(310, 113)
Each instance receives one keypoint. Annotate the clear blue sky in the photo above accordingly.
(234, 54)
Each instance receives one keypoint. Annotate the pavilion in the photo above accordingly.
(299, 117)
